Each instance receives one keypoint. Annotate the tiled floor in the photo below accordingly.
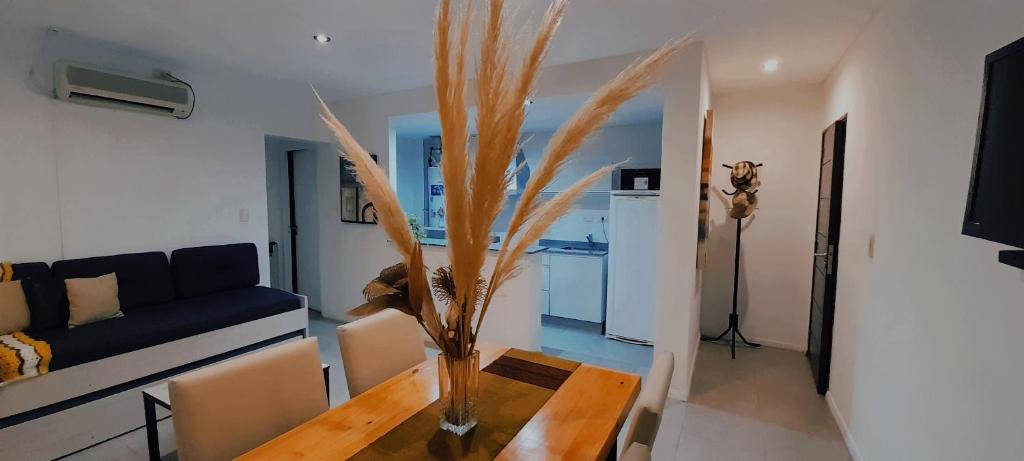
(583, 342)
(760, 407)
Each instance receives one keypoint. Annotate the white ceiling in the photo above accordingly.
(385, 45)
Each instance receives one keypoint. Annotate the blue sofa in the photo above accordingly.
(209, 290)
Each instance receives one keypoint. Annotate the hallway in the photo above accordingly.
(761, 406)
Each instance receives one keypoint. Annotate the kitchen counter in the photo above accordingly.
(494, 247)
(577, 251)
(514, 316)
(575, 248)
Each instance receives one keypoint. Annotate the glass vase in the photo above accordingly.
(459, 391)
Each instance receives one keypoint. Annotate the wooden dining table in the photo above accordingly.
(580, 421)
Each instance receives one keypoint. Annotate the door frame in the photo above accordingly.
(832, 263)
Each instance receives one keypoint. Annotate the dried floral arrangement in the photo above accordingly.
(475, 182)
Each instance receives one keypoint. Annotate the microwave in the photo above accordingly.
(636, 179)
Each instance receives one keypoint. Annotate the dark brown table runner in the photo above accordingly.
(512, 389)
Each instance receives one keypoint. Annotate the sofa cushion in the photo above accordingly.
(153, 325)
(14, 313)
(24, 271)
(92, 299)
(47, 301)
(143, 279)
(204, 270)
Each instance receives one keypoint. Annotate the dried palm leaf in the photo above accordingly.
(396, 301)
(475, 187)
(420, 299)
(444, 285)
(500, 115)
(393, 274)
(594, 113)
(374, 181)
(377, 287)
(450, 88)
(507, 266)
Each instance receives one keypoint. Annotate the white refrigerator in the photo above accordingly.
(632, 265)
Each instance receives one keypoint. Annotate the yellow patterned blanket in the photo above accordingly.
(22, 357)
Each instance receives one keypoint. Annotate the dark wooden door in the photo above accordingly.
(826, 253)
(293, 227)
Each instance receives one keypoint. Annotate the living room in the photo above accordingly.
(920, 317)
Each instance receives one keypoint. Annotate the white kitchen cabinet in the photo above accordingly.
(545, 302)
(577, 287)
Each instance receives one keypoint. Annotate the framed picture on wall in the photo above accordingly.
(704, 208)
(355, 205)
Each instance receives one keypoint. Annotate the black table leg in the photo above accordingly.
(327, 383)
(152, 439)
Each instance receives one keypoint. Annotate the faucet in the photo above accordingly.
(590, 240)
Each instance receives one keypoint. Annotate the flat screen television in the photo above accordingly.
(995, 203)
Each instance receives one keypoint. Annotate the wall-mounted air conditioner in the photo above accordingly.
(97, 87)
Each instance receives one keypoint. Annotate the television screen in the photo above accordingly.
(995, 204)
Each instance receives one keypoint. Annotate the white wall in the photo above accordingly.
(687, 97)
(83, 181)
(780, 127)
(926, 359)
(640, 144)
(409, 156)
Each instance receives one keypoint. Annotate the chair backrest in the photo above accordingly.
(651, 402)
(377, 347)
(227, 409)
(636, 452)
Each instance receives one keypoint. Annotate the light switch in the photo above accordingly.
(243, 215)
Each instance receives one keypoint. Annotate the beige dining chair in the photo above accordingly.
(636, 452)
(227, 409)
(377, 347)
(650, 405)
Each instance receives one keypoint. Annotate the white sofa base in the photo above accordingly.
(85, 424)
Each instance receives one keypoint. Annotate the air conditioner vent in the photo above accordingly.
(89, 85)
(100, 100)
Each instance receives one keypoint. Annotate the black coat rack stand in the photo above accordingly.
(733, 328)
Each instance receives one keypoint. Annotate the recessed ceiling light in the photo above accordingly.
(322, 38)
(770, 65)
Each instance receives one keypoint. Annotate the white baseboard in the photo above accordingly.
(780, 344)
(851, 445)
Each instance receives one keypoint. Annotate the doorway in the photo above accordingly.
(293, 216)
(826, 253)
